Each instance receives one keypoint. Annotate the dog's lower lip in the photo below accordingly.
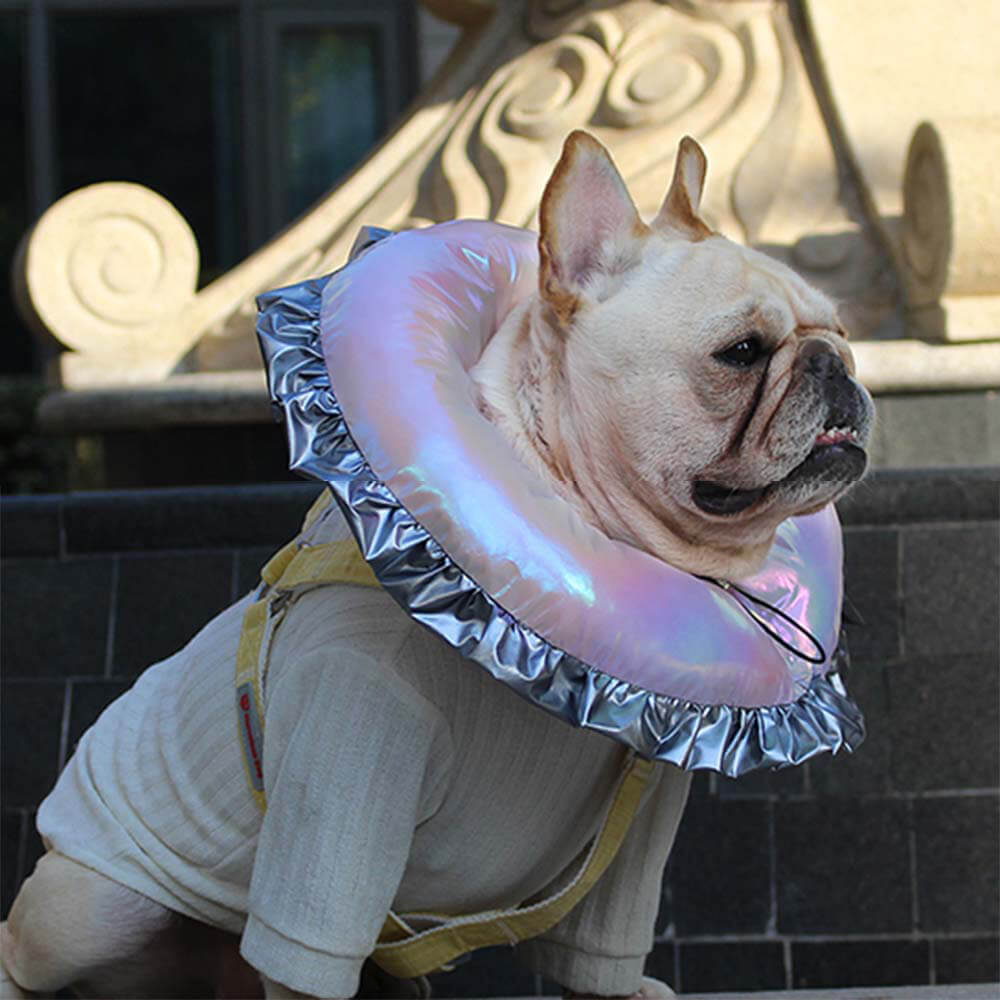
(715, 498)
(719, 499)
(842, 445)
(828, 458)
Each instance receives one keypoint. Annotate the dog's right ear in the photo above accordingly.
(679, 212)
(590, 228)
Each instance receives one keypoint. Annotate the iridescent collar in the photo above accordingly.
(370, 367)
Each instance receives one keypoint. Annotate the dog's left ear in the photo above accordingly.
(590, 228)
(679, 212)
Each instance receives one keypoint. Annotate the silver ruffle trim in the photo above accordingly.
(418, 574)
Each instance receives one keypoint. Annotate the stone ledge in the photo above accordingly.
(909, 496)
(900, 366)
(181, 400)
(886, 367)
(972, 991)
(148, 520)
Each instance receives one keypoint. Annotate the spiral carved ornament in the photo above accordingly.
(108, 263)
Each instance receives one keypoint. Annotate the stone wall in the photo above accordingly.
(878, 869)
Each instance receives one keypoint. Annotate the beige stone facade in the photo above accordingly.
(810, 114)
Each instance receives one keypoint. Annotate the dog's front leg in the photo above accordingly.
(649, 989)
(9, 990)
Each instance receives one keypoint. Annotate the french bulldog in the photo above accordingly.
(685, 394)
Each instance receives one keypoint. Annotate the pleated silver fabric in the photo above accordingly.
(811, 712)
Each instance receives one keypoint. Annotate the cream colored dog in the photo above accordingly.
(685, 393)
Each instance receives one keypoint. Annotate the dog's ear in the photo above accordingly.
(590, 229)
(679, 212)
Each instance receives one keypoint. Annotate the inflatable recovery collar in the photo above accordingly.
(370, 368)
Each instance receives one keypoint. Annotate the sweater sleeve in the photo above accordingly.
(600, 946)
(354, 759)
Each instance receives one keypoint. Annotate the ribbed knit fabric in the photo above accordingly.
(155, 795)
(397, 775)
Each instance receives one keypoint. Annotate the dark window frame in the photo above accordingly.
(259, 23)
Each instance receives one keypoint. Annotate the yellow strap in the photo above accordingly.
(405, 952)
(402, 950)
(315, 565)
(249, 707)
(292, 566)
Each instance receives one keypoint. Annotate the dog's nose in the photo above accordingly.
(844, 398)
(821, 361)
(824, 364)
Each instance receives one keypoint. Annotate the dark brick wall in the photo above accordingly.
(876, 869)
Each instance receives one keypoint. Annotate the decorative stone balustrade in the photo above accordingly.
(785, 98)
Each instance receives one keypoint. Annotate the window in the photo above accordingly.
(240, 112)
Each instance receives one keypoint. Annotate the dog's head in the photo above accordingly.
(716, 384)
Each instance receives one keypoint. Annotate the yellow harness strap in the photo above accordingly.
(410, 944)
(406, 950)
(295, 565)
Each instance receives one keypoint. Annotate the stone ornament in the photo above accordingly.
(950, 239)
(484, 136)
(107, 269)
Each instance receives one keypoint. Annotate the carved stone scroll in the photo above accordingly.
(887, 71)
(949, 244)
(108, 271)
(481, 142)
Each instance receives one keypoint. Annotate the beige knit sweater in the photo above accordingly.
(397, 775)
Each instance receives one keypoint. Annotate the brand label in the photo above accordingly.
(251, 735)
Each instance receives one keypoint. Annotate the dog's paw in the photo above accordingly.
(9, 990)
(653, 988)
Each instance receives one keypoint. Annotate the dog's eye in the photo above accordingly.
(742, 354)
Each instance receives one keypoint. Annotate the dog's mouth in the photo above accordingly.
(837, 456)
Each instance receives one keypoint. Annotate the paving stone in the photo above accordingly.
(958, 869)
(87, 700)
(662, 963)
(945, 723)
(967, 960)
(29, 742)
(249, 563)
(33, 847)
(11, 835)
(935, 429)
(950, 590)
(841, 964)
(843, 867)
(205, 517)
(907, 496)
(719, 871)
(993, 422)
(163, 600)
(194, 454)
(55, 617)
(702, 784)
(490, 972)
(764, 783)
(872, 589)
(866, 770)
(29, 526)
(742, 965)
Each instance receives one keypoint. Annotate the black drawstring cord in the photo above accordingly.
(765, 626)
